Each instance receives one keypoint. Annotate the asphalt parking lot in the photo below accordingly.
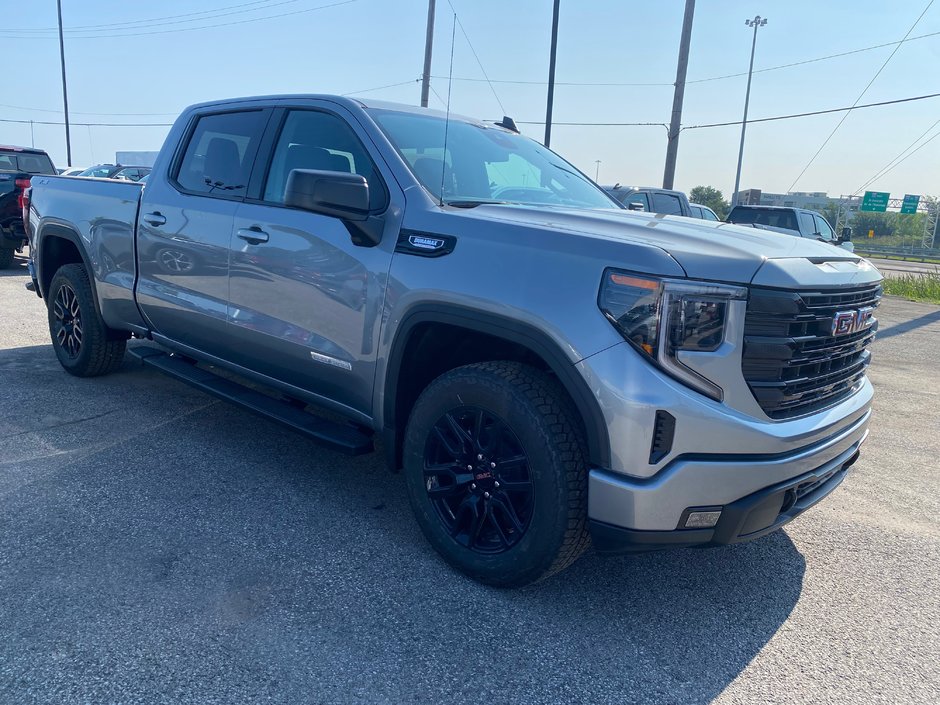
(157, 546)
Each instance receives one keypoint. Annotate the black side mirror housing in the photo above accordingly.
(635, 207)
(336, 194)
(333, 193)
(846, 235)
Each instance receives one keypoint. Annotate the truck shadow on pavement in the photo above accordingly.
(17, 269)
(169, 546)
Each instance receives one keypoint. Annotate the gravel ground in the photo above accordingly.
(157, 546)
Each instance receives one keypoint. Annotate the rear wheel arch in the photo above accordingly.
(58, 246)
(484, 337)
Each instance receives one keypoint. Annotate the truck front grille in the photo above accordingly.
(792, 362)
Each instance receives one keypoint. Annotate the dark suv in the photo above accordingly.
(17, 166)
(651, 200)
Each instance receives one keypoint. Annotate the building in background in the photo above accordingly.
(135, 158)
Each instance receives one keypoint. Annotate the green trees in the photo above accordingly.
(711, 197)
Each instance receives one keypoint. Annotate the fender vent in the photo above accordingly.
(663, 432)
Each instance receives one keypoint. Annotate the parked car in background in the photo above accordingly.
(101, 171)
(72, 171)
(703, 212)
(651, 200)
(17, 166)
(131, 173)
(791, 221)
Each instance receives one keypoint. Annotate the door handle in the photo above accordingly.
(253, 236)
(155, 219)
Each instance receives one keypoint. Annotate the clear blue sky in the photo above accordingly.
(363, 44)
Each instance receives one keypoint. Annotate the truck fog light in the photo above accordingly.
(702, 520)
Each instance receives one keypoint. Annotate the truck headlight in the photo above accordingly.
(668, 319)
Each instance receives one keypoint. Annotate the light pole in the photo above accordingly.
(428, 46)
(551, 76)
(597, 170)
(65, 92)
(757, 22)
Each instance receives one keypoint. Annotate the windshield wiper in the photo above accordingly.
(470, 203)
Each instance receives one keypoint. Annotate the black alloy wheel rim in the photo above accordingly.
(478, 479)
(68, 321)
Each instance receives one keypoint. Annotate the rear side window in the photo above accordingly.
(667, 204)
(697, 212)
(220, 153)
(316, 140)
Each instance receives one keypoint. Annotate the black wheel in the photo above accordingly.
(6, 257)
(85, 346)
(496, 473)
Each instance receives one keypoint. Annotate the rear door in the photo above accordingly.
(666, 203)
(185, 228)
(305, 300)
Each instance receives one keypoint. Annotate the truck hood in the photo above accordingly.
(704, 249)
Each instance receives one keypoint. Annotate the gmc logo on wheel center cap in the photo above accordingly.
(845, 322)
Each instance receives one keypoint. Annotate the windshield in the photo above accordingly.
(765, 216)
(99, 172)
(486, 164)
(27, 162)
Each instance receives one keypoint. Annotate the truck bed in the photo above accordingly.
(103, 215)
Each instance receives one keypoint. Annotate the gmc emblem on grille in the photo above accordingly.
(845, 322)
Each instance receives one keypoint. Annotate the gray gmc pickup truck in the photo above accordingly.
(546, 368)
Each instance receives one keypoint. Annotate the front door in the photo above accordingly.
(304, 299)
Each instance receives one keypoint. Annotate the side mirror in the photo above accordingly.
(846, 235)
(635, 207)
(333, 193)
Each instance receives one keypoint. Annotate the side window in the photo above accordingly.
(697, 212)
(636, 197)
(219, 155)
(667, 204)
(807, 226)
(709, 214)
(311, 139)
(824, 229)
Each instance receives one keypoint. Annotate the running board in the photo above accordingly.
(331, 434)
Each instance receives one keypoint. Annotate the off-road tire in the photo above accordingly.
(101, 350)
(533, 405)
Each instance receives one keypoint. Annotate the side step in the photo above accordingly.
(335, 436)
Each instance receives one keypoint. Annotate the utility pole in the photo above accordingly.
(65, 92)
(758, 21)
(428, 45)
(672, 146)
(551, 77)
(597, 170)
(32, 136)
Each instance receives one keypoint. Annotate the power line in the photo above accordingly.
(860, 96)
(589, 84)
(475, 56)
(210, 26)
(89, 124)
(156, 21)
(162, 124)
(75, 112)
(899, 158)
(738, 122)
(378, 88)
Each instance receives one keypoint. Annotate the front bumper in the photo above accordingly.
(618, 505)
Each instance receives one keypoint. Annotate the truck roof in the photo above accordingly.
(345, 101)
(27, 150)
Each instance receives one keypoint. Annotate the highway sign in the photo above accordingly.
(875, 201)
(909, 205)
